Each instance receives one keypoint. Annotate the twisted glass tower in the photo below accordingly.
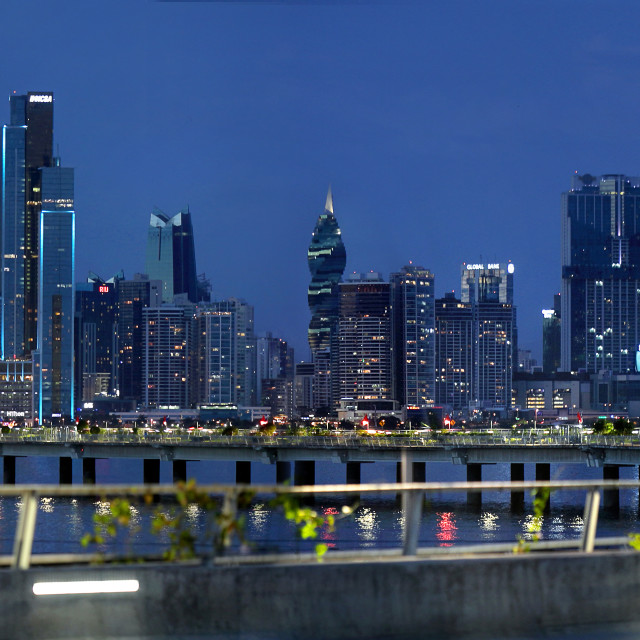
(327, 259)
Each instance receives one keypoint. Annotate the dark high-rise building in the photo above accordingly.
(413, 321)
(454, 352)
(133, 296)
(364, 339)
(171, 255)
(551, 337)
(327, 259)
(601, 274)
(27, 146)
(96, 344)
(56, 283)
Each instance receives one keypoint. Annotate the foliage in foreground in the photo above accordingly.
(224, 524)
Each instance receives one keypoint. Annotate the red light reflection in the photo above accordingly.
(446, 529)
(325, 535)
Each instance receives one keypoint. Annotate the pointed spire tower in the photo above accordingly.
(327, 259)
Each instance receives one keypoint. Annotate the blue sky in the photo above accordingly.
(447, 131)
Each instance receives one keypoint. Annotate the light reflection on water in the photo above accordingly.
(375, 523)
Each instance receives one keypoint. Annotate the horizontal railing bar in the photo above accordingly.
(386, 487)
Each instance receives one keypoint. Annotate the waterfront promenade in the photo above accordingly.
(498, 447)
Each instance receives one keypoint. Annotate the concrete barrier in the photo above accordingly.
(496, 596)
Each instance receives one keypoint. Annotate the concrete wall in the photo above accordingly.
(434, 598)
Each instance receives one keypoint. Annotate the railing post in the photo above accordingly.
(411, 508)
(23, 541)
(591, 505)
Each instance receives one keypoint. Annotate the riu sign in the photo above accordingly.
(103, 289)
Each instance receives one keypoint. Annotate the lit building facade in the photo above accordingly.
(171, 255)
(454, 353)
(56, 299)
(133, 297)
(476, 340)
(27, 146)
(327, 259)
(364, 339)
(96, 322)
(601, 274)
(167, 357)
(413, 322)
(225, 354)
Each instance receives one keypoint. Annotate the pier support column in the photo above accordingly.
(151, 471)
(88, 470)
(517, 497)
(243, 472)
(543, 472)
(179, 471)
(283, 472)
(474, 474)
(304, 472)
(611, 497)
(9, 470)
(66, 471)
(353, 473)
(419, 472)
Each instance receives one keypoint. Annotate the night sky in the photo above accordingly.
(447, 130)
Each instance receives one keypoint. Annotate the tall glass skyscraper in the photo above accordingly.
(601, 274)
(27, 145)
(413, 321)
(56, 294)
(171, 255)
(327, 259)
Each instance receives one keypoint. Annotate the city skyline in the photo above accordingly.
(447, 134)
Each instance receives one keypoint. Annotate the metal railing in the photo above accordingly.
(498, 438)
(413, 499)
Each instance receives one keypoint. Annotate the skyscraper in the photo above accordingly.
(327, 259)
(476, 340)
(413, 321)
(454, 352)
(364, 338)
(225, 353)
(96, 343)
(552, 336)
(133, 296)
(56, 284)
(167, 356)
(27, 146)
(601, 274)
(489, 292)
(171, 255)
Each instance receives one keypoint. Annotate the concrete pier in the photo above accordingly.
(517, 497)
(151, 471)
(88, 470)
(179, 470)
(243, 472)
(354, 472)
(65, 471)
(543, 473)
(474, 474)
(611, 497)
(283, 472)
(9, 470)
(304, 472)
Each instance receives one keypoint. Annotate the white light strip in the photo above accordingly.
(85, 586)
